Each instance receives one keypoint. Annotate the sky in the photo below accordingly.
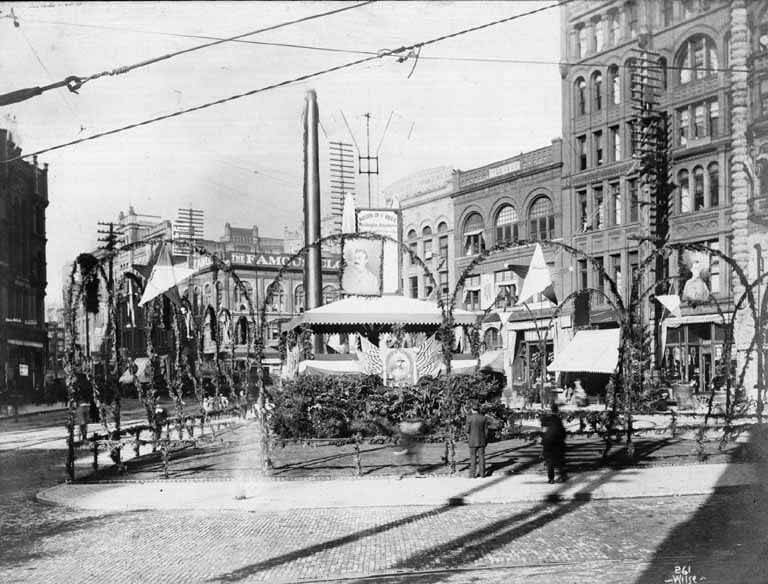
(241, 162)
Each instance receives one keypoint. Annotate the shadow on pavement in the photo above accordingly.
(726, 540)
(455, 553)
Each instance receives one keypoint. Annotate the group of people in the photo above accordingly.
(477, 428)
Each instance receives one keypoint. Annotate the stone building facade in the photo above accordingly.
(516, 199)
(23, 334)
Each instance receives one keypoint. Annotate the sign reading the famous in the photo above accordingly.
(385, 222)
(268, 260)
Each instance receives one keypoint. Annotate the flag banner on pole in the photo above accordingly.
(671, 302)
(538, 279)
(131, 312)
(164, 279)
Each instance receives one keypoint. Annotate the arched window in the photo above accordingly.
(426, 233)
(685, 191)
(697, 58)
(541, 219)
(298, 299)
(207, 294)
(614, 81)
(330, 294)
(219, 294)
(197, 300)
(629, 66)
(241, 331)
(473, 235)
(662, 64)
(442, 241)
(506, 224)
(580, 95)
(597, 90)
(209, 329)
(276, 297)
(413, 245)
(225, 328)
(714, 184)
(698, 188)
(492, 339)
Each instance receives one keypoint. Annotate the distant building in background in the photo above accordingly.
(219, 306)
(23, 335)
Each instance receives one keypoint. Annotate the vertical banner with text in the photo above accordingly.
(385, 222)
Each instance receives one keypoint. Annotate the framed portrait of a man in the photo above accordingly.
(361, 273)
(400, 367)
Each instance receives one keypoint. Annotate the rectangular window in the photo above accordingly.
(581, 46)
(633, 259)
(616, 143)
(583, 275)
(597, 34)
(615, 191)
(714, 268)
(599, 267)
(634, 200)
(616, 270)
(714, 119)
(443, 241)
(505, 288)
(427, 249)
(599, 148)
(474, 244)
(472, 293)
(581, 152)
(614, 30)
(682, 126)
(598, 204)
(444, 284)
(581, 197)
(415, 249)
(413, 284)
(632, 140)
(699, 121)
(632, 18)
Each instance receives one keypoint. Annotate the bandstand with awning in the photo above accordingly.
(370, 317)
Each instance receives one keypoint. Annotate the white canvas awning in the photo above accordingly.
(388, 309)
(592, 351)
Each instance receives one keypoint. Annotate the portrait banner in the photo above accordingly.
(361, 269)
(400, 367)
(385, 222)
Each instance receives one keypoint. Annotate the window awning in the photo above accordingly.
(473, 232)
(592, 351)
(674, 322)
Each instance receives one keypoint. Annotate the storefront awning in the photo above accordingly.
(592, 351)
(674, 322)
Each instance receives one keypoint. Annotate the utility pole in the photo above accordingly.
(112, 366)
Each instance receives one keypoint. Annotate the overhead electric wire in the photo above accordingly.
(501, 60)
(384, 53)
(75, 82)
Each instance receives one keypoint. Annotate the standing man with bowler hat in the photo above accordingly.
(477, 437)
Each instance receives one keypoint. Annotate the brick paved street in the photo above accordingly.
(576, 541)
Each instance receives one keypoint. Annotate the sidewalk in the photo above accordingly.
(251, 494)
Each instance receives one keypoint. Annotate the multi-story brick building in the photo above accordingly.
(694, 45)
(517, 199)
(23, 335)
(219, 305)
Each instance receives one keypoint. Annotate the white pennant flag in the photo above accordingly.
(671, 302)
(537, 279)
(164, 277)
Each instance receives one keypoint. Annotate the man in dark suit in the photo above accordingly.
(477, 432)
(553, 444)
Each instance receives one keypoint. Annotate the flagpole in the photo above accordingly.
(542, 353)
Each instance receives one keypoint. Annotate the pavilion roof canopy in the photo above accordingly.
(379, 310)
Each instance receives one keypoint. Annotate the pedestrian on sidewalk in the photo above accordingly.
(82, 414)
(408, 442)
(477, 438)
(553, 444)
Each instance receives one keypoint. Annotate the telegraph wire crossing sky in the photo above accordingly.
(236, 160)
